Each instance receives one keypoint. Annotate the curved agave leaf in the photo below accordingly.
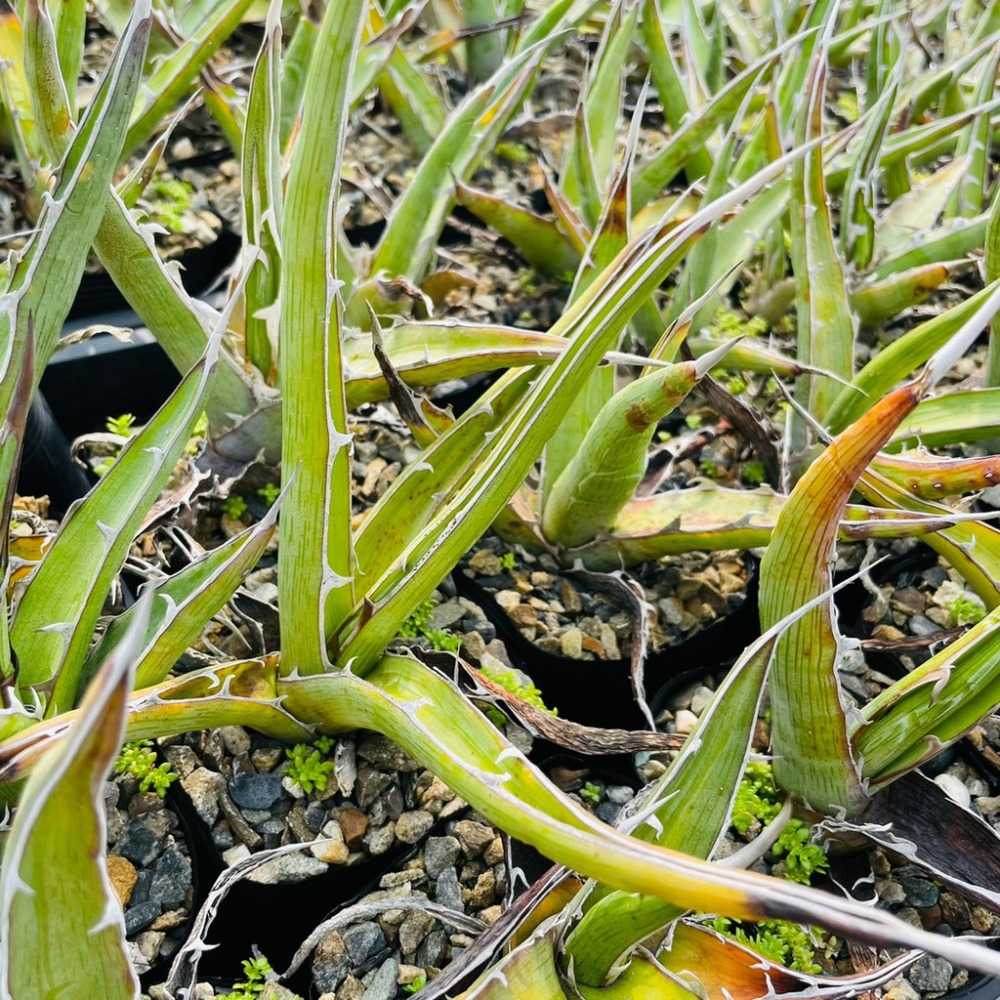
(965, 415)
(183, 602)
(610, 461)
(875, 302)
(928, 476)
(62, 931)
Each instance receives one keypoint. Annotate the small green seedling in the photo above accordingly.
(781, 941)
(508, 561)
(418, 626)
(234, 505)
(753, 473)
(169, 201)
(138, 759)
(121, 425)
(417, 985)
(590, 793)
(803, 859)
(269, 493)
(757, 800)
(306, 766)
(511, 681)
(966, 609)
(256, 971)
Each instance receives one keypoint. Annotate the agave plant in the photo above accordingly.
(345, 590)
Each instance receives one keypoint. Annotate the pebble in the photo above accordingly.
(485, 563)
(382, 986)
(900, 989)
(379, 839)
(141, 915)
(287, 868)
(255, 791)
(701, 699)
(123, 877)
(440, 853)
(932, 975)
(140, 844)
(380, 751)
(447, 891)
(919, 625)
(354, 824)
(685, 721)
(412, 825)
(955, 911)
(363, 941)
(330, 963)
(571, 643)
(333, 849)
(473, 837)
(416, 925)
(171, 879)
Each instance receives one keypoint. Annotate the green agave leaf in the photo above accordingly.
(44, 280)
(603, 474)
(62, 931)
(294, 69)
(875, 302)
(930, 85)
(418, 108)
(529, 972)
(262, 201)
(316, 559)
(54, 618)
(70, 19)
(967, 415)
(170, 81)
(969, 197)
(688, 811)
(991, 271)
(918, 210)
(930, 477)
(543, 243)
(16, 98)
(42, 69)
(669, 85)
(934, 705)
(181, 604)
(951, 240)
(904, 355)
(825, 327)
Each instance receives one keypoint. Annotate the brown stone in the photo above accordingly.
(123, 877)
(524, 615)
(354, 823)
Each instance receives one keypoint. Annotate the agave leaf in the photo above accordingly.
(967, 415)
(813, 756)
(930, 85)
(419, 110)
(294, 69)
(182, 603)
(951, 240)
(968, 198)
(180, 325)
(44, 279)
(667, 80)
(725, 970)
(61, 926)
(42, 69)
(16, 95)
(930, 477)
(541, 242)
(602, 102)
(76, 573)
(904, 355)
(316, 559)
(857, 233)
(875, 302)
(603, 474)
(918, 210)
(418, 215)
(680, 815)
(824, 322)
(933, 705)
(70, 21)
(262, 201)
(170, 81)
(529, 972)
(991, 271)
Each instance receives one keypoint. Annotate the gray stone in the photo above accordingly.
(331, 963)
(447, 890)
(919, 625)
(371, 782)
(140, 844)
(141, 915)
(140, 891)
(256, 791)
(183, 760)
(236, 739)
(619, 794)
(382, 986)
(171, 879)
(363, 941)
(431, 950)
(379, 839)
(315, 816)
(446, 615)
(203, 787)
(919, 891)
(932, 975)
(411, 826)
(415, 927)
(608, 812)
(287, 868)
(440, 853)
